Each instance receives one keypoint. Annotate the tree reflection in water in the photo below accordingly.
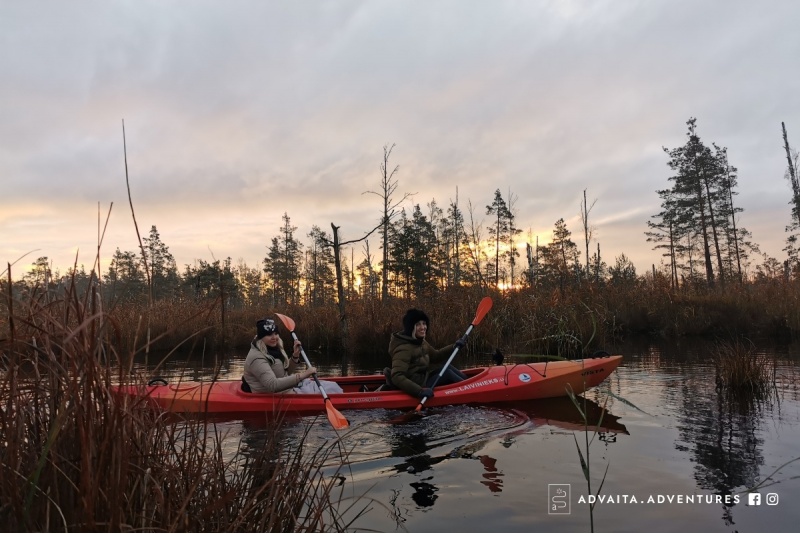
(721, 433)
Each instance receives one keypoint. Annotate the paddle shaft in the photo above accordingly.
(308, 363)
(444, 369)
(337, 420)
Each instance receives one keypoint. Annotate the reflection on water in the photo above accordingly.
(415, 453)
(722, 440)
(724, 437)
(665, 431)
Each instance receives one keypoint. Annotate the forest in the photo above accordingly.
(711, 279)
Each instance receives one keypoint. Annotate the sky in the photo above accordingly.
(236, 112)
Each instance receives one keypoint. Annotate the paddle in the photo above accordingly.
(336, 418)
(483, 308)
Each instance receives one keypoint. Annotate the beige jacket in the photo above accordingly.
(269, 373)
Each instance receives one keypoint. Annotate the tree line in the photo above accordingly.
(428, 249)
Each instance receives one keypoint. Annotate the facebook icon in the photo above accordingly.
(754, 499)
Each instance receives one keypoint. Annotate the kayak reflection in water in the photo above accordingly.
(492, 477)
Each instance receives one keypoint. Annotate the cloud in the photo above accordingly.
(238, 112)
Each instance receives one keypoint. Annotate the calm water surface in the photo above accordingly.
(676, 454)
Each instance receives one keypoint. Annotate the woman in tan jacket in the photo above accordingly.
(268, 369)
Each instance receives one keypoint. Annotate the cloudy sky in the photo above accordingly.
(238, 111)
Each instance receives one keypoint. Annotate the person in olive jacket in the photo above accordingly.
(415, 362)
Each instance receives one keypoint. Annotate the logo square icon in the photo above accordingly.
(559, 499)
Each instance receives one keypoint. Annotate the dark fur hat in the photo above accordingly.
(412, 317)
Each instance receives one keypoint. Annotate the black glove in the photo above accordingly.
(461, 341)
(425, 392)
(498, 357)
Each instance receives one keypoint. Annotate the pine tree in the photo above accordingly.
(561, 256)
(125, 277)
(453, 238)
(283, 264)
(164, 270)
(319, 275)
(499, 231)
(696, 192)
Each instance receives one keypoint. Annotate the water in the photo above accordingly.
(674, 456)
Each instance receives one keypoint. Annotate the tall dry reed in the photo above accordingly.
(73, 456)
(571, 321)
(743, 371)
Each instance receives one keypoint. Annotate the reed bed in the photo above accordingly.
(571, 322)
(743, 371)
(74, 457)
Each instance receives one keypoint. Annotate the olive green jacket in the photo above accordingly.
(413, 360)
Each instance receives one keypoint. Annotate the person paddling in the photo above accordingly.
(267, 368)
(415, 362)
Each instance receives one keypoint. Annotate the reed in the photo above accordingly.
(571, 321)
(592, 423)
(75, 457)
(742, 370)
(590, 432)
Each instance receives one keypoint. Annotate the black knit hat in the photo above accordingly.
(412, 317)
(265, 327)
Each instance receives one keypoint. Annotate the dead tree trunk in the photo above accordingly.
(344, 324)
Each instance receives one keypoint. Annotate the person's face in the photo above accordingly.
(271, 340)
(420, 329)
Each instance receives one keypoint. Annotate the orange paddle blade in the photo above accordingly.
(336, 418)
(483, 309)
(288, 322)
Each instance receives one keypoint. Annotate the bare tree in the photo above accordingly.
(513, 231)
(791, 174)
(587, 230)
(474, 245)
(337, 260)
(388, 186)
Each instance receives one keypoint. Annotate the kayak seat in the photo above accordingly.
(387, 385)
(246, 386)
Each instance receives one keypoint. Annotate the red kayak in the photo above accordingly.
(501, 383)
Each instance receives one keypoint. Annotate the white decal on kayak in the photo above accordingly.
(472, 386)
(525, 377)
(368, 399)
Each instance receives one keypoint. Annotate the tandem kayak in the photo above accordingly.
(501, 383)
